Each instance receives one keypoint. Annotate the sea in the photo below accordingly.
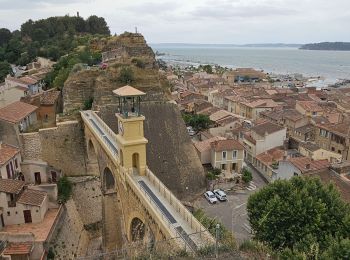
(331, 66)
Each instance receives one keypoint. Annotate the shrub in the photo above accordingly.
(88, 104)
(126, 75)
(140, 63)
(64, 187)
(247, 176)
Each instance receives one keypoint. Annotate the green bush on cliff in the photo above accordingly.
(64, 187)
(126, 75)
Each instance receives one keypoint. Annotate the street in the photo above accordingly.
(233, 212)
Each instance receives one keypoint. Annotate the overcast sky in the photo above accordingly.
(200, 21)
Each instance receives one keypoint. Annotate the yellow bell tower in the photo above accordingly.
(130, 138)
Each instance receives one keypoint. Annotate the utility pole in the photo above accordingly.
(217, 241)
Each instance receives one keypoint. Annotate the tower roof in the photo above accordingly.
(128, 91)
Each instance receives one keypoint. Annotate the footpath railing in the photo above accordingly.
(87, 115)
(179, 207)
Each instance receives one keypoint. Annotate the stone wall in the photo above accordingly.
(62, 147)
(71, 239)
(9, 133)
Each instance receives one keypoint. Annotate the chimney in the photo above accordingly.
(285, 155)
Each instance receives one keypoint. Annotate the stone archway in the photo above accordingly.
(108, 180)
(136, 162)
(137, 230)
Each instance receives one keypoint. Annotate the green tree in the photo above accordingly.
(208, 69)
(338, 250)
(97, 25)
(199, 122)
(5, 36)
(5, 69)
(126, 75)
(64, 187)
(301, 214)
(247, 176)
(61, 78)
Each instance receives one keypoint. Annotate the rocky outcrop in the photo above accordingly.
(78, 89)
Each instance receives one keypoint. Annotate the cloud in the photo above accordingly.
(237, 9)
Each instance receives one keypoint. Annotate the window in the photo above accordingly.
(224, 155)
(295, 174)
(234, 154)
(223, 166)
(8, 213)
(333, 149)
(339, 151)
(16, 163)
(8, 171)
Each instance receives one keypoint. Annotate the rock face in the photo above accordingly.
(78, 89)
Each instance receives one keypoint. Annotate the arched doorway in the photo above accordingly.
(137, 230)
(92, 162)
(108, 180)
(136, 162)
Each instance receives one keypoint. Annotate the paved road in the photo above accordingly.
(233, 213)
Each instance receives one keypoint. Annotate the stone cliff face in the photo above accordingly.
(170, 153)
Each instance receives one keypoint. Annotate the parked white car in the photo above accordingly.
(190, 131)
(220, 194)
(209, 195)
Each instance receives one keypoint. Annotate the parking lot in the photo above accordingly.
(233, 213)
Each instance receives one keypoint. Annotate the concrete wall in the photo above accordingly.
(62, 147)
(286, 170)
(217, 160)
(3, 171)
(29, 168)
(270, 141)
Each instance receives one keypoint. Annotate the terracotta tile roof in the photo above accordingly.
(226, 145)
(49, 97)
(7, 152)
(16, 111)
(219, 115)
(208, 111)
(206, 144)
(328, 176)
(128, 91)
(249, 138)
(270, 156)
(18, 248)
(309, 146)
(339, 129)
(310, 106)
(305, 129)
(266, 127)
(305, 164)
(11, 186)
(292, 114)
(32, 197)
(260, 103)
(26, 80)
(227, 120)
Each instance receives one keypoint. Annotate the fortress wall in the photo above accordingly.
(63, 147)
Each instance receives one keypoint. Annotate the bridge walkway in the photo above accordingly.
(179, 220)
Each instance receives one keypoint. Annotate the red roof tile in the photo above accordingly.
(7, 152)
(16, 111)
(305, 164)
(19, 248)
(32, 197)
(227, 145)
(11, 186)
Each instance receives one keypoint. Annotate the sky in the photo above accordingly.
(200, 21)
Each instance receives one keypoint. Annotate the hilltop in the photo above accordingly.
(327, 46)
